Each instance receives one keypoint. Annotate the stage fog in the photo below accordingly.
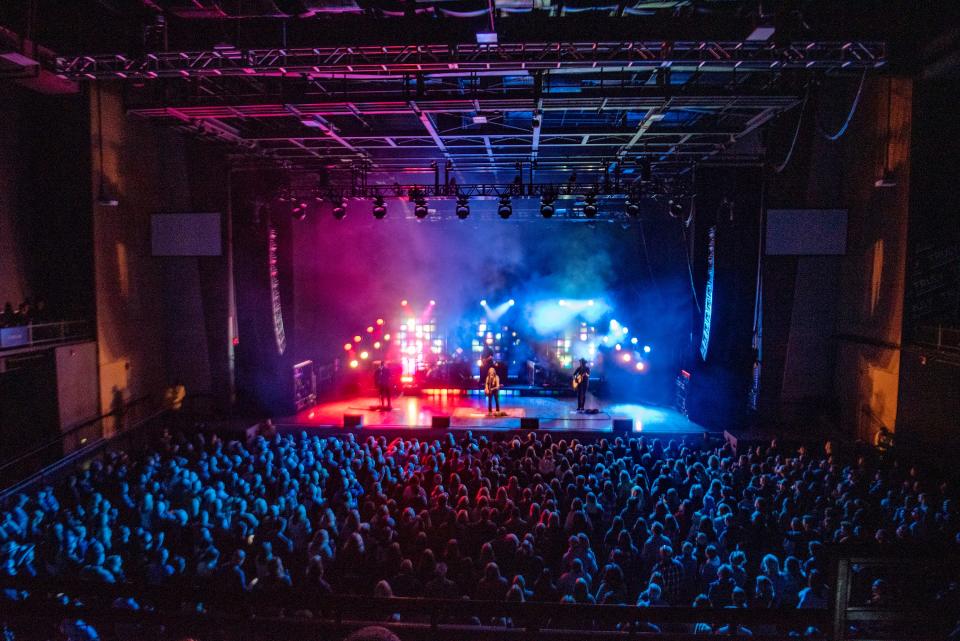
(622, 283)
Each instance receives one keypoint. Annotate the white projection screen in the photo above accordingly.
(806, 232)
(185, 234)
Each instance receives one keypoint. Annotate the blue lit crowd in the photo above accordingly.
(532, 518)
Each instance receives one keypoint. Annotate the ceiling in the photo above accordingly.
(394, 86)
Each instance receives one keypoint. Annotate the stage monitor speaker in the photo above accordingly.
(623, 426)
(529, 423)
(440, 422)
(353, 421)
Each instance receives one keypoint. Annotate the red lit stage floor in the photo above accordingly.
(470, 412)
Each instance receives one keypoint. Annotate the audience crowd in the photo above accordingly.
(26, 313)
(531, 518)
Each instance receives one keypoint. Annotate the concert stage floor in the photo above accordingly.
(469, 412)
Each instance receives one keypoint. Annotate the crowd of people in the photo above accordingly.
(505, 518)
(26, 313)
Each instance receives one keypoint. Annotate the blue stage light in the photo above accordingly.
(646, 349)
(483, 303)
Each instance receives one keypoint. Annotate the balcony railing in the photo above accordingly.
(44, 334)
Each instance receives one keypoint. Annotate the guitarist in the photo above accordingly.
(581, 380)
(492, 387)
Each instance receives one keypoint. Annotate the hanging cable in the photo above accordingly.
(646, 256)
(853, 110)
(686, 253)
(796, 134)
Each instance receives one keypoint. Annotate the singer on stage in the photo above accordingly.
(381, 379)
(581, 380)
(492, 387)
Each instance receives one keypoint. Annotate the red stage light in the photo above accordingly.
(364, 355)
(370, 329)
(403, 303)
(357, 338)
(347, 346)
(379, 321)
(376, 345)
(354, 363)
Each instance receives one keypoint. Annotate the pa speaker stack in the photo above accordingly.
(440, 422)
(531, 423)
(623, 426)
(353, 421)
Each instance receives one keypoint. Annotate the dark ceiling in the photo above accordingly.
(395, 85)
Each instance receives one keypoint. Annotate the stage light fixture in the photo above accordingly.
(432, 303)
(419, 199)
(483, 303)
(379, 321)
(632, 209)
(379, 208)
(364, 355)
(339, 209)
(347, 346)
(505, 209)
(511, 302)
(633, 341)
(463, 206)
(646, 349)
(641, 366)
(547, 209)
(403, 303)
(676, 208)
(590, 302)
(627, 358)
(354, 363)
(298, 212)
(590, 205)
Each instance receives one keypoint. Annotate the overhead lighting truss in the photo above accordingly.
(471, 58)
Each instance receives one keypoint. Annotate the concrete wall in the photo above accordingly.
(832, 325)
(160, 320)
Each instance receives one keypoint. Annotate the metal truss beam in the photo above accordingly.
(469, 59)
(400, 107)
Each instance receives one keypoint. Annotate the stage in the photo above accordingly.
(554, 414)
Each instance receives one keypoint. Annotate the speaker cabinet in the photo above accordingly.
(623, 426)
(353, 421)
(440, 422)
(532, 423)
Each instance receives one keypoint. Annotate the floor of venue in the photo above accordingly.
(470, 412)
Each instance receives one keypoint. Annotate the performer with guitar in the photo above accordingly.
(581, 380)
(492, 387)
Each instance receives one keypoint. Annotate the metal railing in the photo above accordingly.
(49, 459)
(913, 609)
(938, 337)
(44, 334)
